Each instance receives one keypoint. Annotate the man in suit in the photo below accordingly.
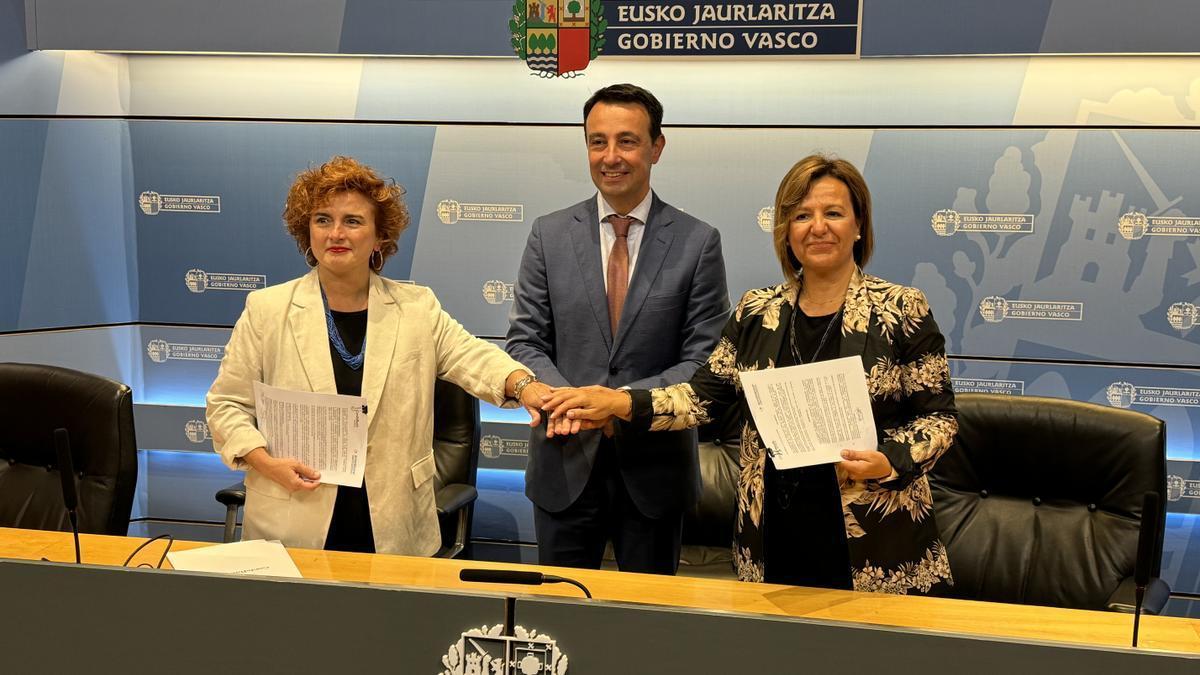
(622, 290)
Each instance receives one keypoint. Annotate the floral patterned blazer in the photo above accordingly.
(890, 528)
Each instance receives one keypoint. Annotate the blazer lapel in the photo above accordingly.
(585, 235)
(656, 242)
(383, 331)
(306, 320)
(857, 306)
(773, 343)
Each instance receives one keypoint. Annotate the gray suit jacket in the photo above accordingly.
(674, 309)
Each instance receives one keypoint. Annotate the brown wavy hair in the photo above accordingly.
(794, 188)
(315, 187)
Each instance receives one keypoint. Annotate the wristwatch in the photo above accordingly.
(519, 387)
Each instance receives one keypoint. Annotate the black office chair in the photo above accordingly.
(456, 433)
(1040, 500)
(708, 527)
(98, 414)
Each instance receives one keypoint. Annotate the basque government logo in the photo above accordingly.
(450, 211)
(766, 218)
(1179, 487)
(557, 38)
(497, 292)
(995, 309)
(947, 222)
(197, 431)
(1135, 225)
(1183, 316)
(198, 281)
(151, 203)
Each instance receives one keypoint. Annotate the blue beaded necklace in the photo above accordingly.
(354, 361)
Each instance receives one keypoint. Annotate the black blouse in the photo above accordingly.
(350, 529)
(804, 536)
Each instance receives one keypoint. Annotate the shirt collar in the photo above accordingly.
(641, 211)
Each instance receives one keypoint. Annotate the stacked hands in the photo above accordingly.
(569, 410)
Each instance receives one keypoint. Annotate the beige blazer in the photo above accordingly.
(281, 339)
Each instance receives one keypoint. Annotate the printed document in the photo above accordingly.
(256, 557)
(327, 432)
(808, 414)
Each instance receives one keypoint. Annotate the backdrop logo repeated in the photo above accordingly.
(198, 281)
(161, 351)
(946, 222)
(493, 446)
(1179, 487)
(981, 386)
(497, 292)
(1183, 316)
(1135, 225)
(1124, 395)
(766, 218)
(152, 203)
(485, 650)
(995, 309)
(450, 212)
(197, 431)
(557, 38)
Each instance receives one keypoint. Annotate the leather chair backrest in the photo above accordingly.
(456, 434)
(98, 414)
(710, 523)
(1040, 500)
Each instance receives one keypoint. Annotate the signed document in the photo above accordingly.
(808, 414)
(325, 431)
(254, 557)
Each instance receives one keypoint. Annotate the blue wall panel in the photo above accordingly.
(249, 167)
(22, 144)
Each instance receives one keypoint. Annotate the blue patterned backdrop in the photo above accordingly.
(1046, 205)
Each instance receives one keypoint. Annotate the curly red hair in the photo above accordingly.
(315, 187)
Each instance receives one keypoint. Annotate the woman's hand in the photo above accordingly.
(290, 473)
(865, 464)
(533, 398)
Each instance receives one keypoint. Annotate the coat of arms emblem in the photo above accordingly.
(557, 38)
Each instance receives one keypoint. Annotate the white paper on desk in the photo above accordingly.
(255, 557)
(808, 414)
(325, 431)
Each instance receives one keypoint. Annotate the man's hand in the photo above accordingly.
(591, 407)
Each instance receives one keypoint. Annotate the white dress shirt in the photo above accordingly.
(633, 240)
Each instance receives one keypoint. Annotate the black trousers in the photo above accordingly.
(575, 536)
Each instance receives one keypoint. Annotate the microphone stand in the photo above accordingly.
(1139, 595)
(66, 470)
(510, 616)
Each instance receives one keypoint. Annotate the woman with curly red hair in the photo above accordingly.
(342, 328)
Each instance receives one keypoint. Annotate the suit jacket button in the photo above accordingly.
(613, 371)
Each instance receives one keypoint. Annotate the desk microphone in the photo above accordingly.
(517, 577)
(66, 470)
(1147, 537)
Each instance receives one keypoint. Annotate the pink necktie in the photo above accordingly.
(618, 269)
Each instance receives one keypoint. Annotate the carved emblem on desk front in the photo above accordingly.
(484, 651)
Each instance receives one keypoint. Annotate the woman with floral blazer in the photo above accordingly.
(822, 236)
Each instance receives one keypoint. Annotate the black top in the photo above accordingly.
(350, 529)
(804, 534)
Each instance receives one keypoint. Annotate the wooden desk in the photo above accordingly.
(993, 620)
